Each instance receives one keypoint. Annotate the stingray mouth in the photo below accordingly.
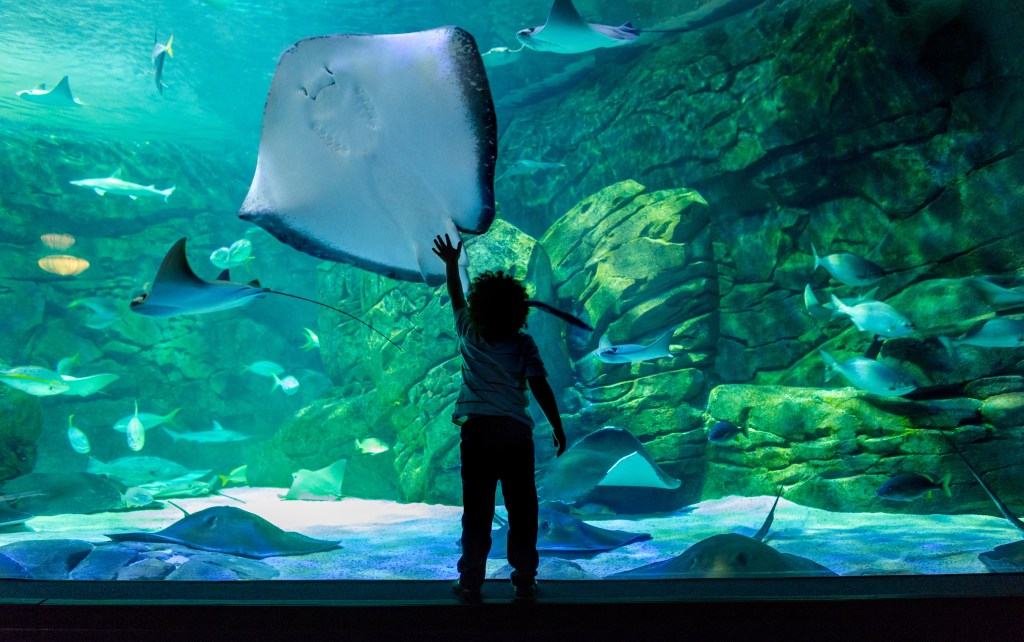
(525, 33)
(140, 299)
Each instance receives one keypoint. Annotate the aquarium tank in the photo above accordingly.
(790, 230)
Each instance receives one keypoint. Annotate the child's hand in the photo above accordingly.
(445, 251)
(559, 438)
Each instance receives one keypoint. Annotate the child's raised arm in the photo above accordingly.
(450, 255)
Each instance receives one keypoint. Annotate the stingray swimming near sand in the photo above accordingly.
(374, 144)
(560, 534)
(177, 290)
(226, 529)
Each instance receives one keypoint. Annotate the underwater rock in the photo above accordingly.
(51, 559)
(832, 447)
(21, 424)
(550, 568)
(213, 566)
(104, 563)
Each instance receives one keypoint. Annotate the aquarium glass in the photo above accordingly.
(793, 228)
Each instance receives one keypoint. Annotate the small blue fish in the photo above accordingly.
(870, 375)
(990, 333)
(875, 317)
(906, 487)
(848, 268)
(289, 385)
(724, 432)
(104, 314)
(237, 255)
(264, 368)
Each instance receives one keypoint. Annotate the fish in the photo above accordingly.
(64, 365)
(135, 432)
(136, 470)
(231, 530)
(177, 290)
(875, 317)
(115, 185)
(725, 431)
(999, 332)
(289, 385)
(848, 268)
(264, 368)
(498, 56)
(85, 386)
(148, 419)
(362, 162)
(870, 375)
(814, 307)
(906, 487)
(371, 446)
(523, 167)
(322, 484)
(239, 253)
(137, 497)
(104, 314)
(996, 295)
(634, 353)
(78, 439)
(59, 96)
(312, 341)
(566, 32)
(218, 435)
(160, 52)
(566, 536)
(34, 380)
(237, 476)
(188, 485)
(610, 456)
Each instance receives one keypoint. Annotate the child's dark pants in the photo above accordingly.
(497, 448)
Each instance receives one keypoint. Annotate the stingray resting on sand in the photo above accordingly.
(374, 144)
(562, 535)
(226, 529)
(730, 555)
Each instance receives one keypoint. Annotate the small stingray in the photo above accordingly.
(64, 493)
(10, 517)
(178, 290)
(566, 536)
(607, 457)
(374, 144)
(226, 529)
(730, 555)
(1006, 558)
(318, 484)
(59, 96)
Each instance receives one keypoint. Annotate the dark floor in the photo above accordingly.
(966, 607)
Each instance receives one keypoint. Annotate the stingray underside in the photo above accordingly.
(374, 144)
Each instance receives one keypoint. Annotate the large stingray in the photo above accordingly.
(374, 144)
(226, 529)
(566, 536)
(178, 290)
(322, 484)
(63, 493)
(730, 555)
(607, 457)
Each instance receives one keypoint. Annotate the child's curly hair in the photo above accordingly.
(497, 305)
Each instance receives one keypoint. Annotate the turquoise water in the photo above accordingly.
(697, 197)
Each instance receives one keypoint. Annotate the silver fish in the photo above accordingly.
(148, 419)
(137, 470)
(85, 386)
(36, 381)
(289, 385)
(906, 487)
(870, 375)
(990, 333)
(78, 439)
(995, 294)
(848, 268)
(160, 52)
(633, 353)
(136, 433)
(875, 317)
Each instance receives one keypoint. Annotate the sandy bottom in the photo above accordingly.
(385, 540)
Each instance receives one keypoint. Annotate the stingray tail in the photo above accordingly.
(564, 316)
(1003, 508)
(353, 317)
